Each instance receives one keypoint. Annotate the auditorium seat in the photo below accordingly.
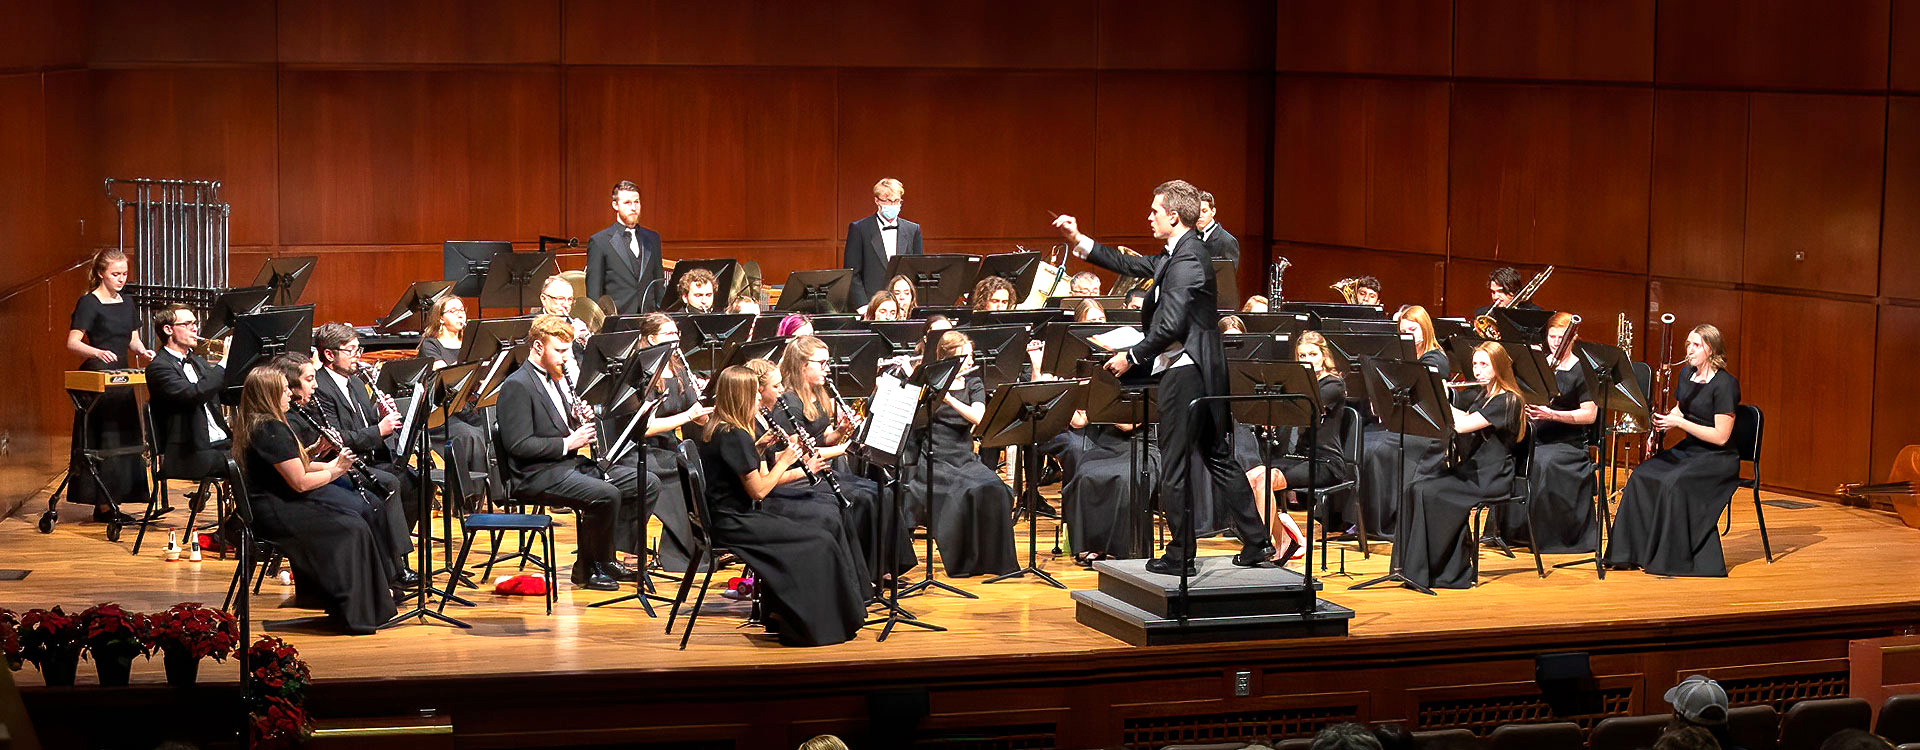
(1900, 719)
(1558, 735)
(1809, 723)
(1297, 743)
(1420, 738)
(1754, 727)
(1627, 732)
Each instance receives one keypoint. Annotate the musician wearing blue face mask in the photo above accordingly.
(874, 241)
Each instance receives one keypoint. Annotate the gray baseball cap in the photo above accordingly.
(1699, 701)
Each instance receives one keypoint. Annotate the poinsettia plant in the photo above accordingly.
(49, 633)
(194, 629)
(10, 639)
(276, 692)
(112, 630)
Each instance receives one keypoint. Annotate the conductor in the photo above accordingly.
(1182, 346)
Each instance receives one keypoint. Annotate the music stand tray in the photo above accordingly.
(259, 335)
(485, 338)
(513, 279)
(938, 280)
(707, 338)
(1018, 268)
(465, 262)
(414, 305)
(603, 364)
(1275, 322)
(901, 335)
(230, 303)
(856, 359)
(287, 277)
(1336, 310)
(1524, 325)
(1032, 319)
(832, 288)
(1226, 283)
(1257, 347)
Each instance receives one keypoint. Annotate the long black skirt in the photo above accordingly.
(816, 506)
(970, 514)
(1560, 500)
(1382, 483)
(811, 585)
(1437, 553)
(114, 423)
(1669, 519)
(1104, 507)
(338, 556)
(868, 515)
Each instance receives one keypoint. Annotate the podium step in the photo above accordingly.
(1142, 628)
(1218, 588)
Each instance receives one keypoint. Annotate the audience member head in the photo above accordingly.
(1855, 739)
(1698, 701)
(1686, 738)
(824, 742)
(1345, 737)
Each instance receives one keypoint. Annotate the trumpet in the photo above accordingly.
(1348, 288)
(1484, 325)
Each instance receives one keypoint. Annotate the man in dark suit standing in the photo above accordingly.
(192, 436)
(624, 258)
(876, 239)
(1182, 346)
(1221, 244)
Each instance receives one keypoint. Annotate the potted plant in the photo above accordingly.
(276, 694)
(51, 639)
(114, 637)
(187, 632)
(10, 639)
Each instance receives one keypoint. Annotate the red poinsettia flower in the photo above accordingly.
(197, 630)
(45, 633)
(111, 629)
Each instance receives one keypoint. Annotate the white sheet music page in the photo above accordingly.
(890, 413)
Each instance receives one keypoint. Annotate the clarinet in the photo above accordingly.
(811, 449)
(840, 405)
(807, 451)
(361, 476)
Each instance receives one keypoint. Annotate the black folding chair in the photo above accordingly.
(705, 548)
(255, 552)
(1517, 494)
(1748, 427)
(1900, 719)
(1347, 421)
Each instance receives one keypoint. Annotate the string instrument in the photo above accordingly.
(1485, 326)
(1902, 486)
(1661, 399)
(810, 450)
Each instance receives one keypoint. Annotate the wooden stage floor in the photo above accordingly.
(1829, 558)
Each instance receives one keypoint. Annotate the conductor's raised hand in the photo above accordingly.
(1069, 228)
(1118, 364)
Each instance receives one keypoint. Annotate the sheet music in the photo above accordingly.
(406, 427)
(890, 413)
(1123, 337)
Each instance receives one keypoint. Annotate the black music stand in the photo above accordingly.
(260, 335)
(1610, 378)
(1026, 415)
(901, 335)
(1032, 319)
(287, 277)
(856, 358)
(933, 378)
(1411, 398)
(1352, 348)
(414, 305)
(1275, 322)
(1522, 324)
(630, 421)
(707, 338)
(1336, 310)
(767, 349)
(937, 279)
(1257, 347)
(603, 366)
(465, 263)
(1532, 373)
(1130, 400)
(1070, 351)
(513, 279)
(726, 272)
(1018, 268)
(832, 289)
(1000, 351)
(1226, 283)
(888, 454)
(620, 323)
(1446, 328)
(1348, 325)
(956, 313)
(1459, 351)
(230, 303)
(1105, 302)
(398, 376)
(452, 386)
(1291, 399)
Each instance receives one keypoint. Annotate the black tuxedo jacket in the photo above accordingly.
(533, 432)
(352, 413)
(1182, 306)
(867, 254)
(180, 406)
(1222, 244)
(612, 269)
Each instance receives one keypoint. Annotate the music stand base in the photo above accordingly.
(929, 583)
(1029, 570)
(423, 613)
(1394, 577)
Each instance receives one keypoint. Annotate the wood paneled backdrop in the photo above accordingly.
(1751, 164)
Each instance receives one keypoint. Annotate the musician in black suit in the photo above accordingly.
(622, 259)
(1220, 244)
(347, 404)
(537, 429)
(876, 239)
(189, 431)
(1503, 285)
(1182, 346)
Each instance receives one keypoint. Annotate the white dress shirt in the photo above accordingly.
(889, 235)
(214, 433)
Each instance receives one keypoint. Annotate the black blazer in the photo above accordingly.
(344, 412)
(612, 269)
(533, 432)
(180, 406)
(1222, 244)
(1181, 307)
(867, 254)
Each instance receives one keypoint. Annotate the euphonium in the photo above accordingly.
(1348, 288)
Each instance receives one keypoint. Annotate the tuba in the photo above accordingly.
(1127, 284)
(1347, 287)
(1484, 325)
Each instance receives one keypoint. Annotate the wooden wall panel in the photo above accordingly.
(1814, 431)
(42, 34)
(362, 32)
(1365, 36)
(1406, 166)
(1218, 144)
(1814, 185)
(968, 34)
(1691, 305)
(1789, 44)
(982, 155)
(196, 124)
(1319, 136)
(718, 154)
(1212, 35)
(1900, 238)
(777, 259)
(669, 32)
(73, 188)
(1405, 278)
(1699, 209)
(239, 31)
(1609, 40)
(1551, 175)
(23, 141)
(1896, 378)
(358, 284)
(418, 157)
(1905, 62)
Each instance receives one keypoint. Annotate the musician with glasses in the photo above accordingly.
(441, 342)
(556, 299)
(805, 367)
(874, 241)
(104, 330)
(190, 432)
(345, 399)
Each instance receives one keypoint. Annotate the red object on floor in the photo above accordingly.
(521, 586)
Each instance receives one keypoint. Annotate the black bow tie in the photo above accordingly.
(889, 228)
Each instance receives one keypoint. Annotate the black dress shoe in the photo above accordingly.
(598, 582)
(1166, 567)
(618, 571)
(406, 580)
(1248, 557)
(114, 516)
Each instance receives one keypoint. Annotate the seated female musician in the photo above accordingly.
(441, 337)
(1487, 420)
(1232, 324)
(1089, 311)
(804, 366)
(805, 500)
(904, 295)
(1560, 478)
(1255, 304)
(1383, 481)
(1669, 520)
(810, 583)
(882, 307)
(1322, 466)
(320, 526)
(678, 392)
(795, 324)
(969, 510)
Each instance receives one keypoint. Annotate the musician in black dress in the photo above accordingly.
(1669, 519)
(992, 294)
(1303, 465)
(969, 511)
(1560, 480)
(810, 584)
(102, 334)
(811, 500)
(445, 329)
(1488, 424)
(336, 556)
(678, 390)
(904, 295)
(1096, 493)
(1381, 460)
(441, 341)
(805, 368)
